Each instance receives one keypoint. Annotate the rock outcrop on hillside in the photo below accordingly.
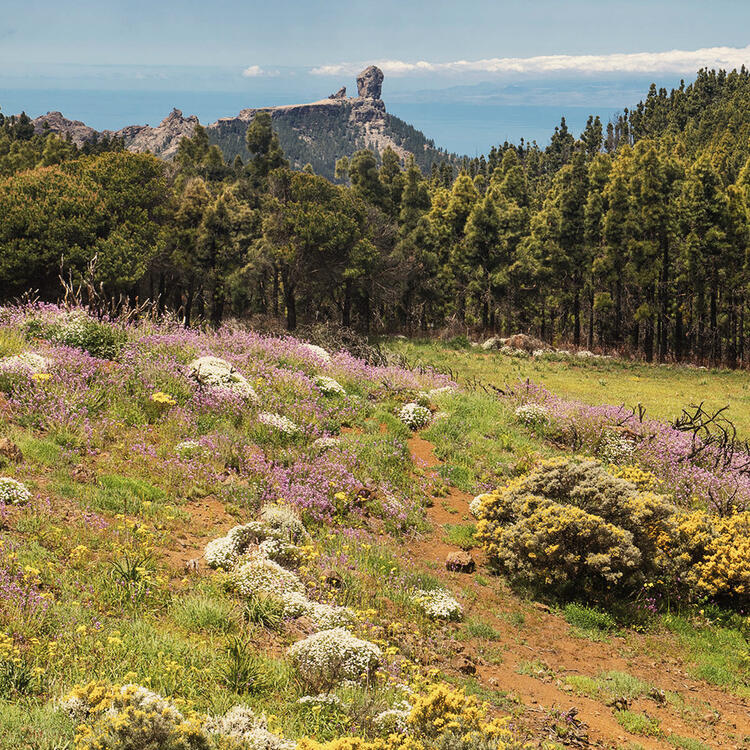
(318, 132)
(55, 122)
(161, 140)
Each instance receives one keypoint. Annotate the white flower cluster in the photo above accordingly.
(324, 699)
(218, 373)
(283, 520)
(475, 506)
(281, 551)
(585, 354)
(394, 719)
(278, 422)
(275, 534)
(188, 449)
(329, 386)
(511, 351)
(26, 362)
(241, 724)
(255, 573)
(615, 448)
(325, 443)
(325, 616)
(318, 351)
(532, 415)
(13, 492)
(334, 655)
(438, 604)
(414, 416)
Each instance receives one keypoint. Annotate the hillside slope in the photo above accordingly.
(317, 133)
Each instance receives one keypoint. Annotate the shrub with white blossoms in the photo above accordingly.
(511, 351)
(438, 604)
(475, 506)
(414, 416)
(325, 616)
(281, 551)
(615, 448)
(323, 699)
(188, 449)
(532, 415)
(329, 657)
(283, 520)
(394, 719)
(241, 724)
(278, 422)
(326, 443)
(318, 351)
(226, 550)
(26, 362)
(329, 386)
(218, 373)
(13, 492)
(257, 574)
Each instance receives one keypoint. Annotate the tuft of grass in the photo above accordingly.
(590, 621)
(203, 612)
(118, 494)
(266, 611)
(686, 743)
(638, 723)
(461, 535)
(479, 629)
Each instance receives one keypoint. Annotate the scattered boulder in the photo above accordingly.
(464, 664)
(460, 562)
(10, 451)
(370, 83)
(526, 343)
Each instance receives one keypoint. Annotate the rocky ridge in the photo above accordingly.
(318, 132)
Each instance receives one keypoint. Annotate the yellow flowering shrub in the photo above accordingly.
(570, 521)
(130, 717)
(441, 718)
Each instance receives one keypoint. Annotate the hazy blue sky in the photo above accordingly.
(309, 33)
(112, 64)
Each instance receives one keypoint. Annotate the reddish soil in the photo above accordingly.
(717, 718)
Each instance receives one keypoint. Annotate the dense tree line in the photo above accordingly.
(631, 236)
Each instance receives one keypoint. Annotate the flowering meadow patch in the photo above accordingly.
(694, 478)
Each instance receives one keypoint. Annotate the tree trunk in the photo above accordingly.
(577, 317)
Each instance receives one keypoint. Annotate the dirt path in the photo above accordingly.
(530, 633)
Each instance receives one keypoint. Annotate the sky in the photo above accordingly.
(455, 68)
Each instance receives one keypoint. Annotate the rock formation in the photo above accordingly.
(370, 83)
(317, 132)
(54, 122)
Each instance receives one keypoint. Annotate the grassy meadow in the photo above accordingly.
(664, 390)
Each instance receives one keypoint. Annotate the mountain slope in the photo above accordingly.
(317, 133)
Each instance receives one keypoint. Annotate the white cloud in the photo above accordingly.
(673, 61)
(255, 71)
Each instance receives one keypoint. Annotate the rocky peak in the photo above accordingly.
(370, 83)
(340, 94)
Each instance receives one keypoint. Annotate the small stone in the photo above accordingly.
(460, 562)
(464, 664)
(193, 565)
(9, 450)
(332, 579)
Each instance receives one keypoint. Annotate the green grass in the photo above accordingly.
(461, 535)
(663, 389)
(686, 743)
(589, 621)
(480, 629)
(719, 655)
(638, 723)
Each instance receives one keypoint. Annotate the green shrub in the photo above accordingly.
(569, 522)
(100, 340)
(637, 723)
